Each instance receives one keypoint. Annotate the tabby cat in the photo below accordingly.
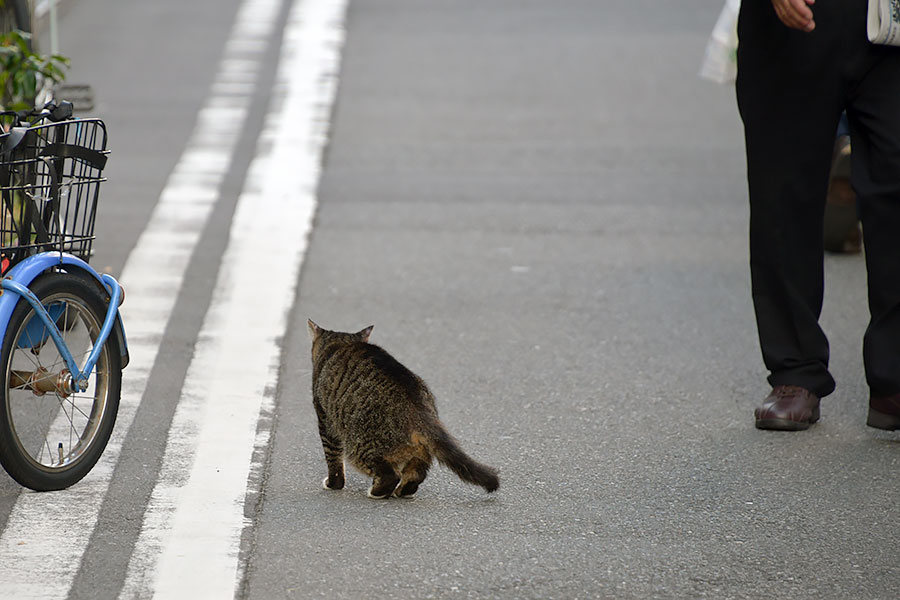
(381, 417)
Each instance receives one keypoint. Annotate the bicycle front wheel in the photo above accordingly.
(50, 437)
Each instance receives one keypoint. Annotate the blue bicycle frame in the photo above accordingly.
(17, 281)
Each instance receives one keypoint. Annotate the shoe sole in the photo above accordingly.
(783, 424)
(883, 421)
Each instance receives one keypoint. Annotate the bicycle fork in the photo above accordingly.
(77, 379)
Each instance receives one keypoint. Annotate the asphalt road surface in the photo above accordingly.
(542, 209)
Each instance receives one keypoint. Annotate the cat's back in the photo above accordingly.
(361, 367)
(388, 368)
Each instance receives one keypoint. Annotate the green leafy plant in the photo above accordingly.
(23, 70)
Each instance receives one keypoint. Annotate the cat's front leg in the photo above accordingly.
(334, 457)
(334, 452)
(334, 481)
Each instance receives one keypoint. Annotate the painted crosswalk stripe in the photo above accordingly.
(46, 536)
(190, 538)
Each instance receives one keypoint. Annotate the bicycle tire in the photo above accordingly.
(49, 438)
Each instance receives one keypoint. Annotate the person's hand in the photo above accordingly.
(796, 14)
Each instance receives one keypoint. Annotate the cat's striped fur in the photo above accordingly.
(381, 417)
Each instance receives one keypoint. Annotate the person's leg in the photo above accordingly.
(875, 130)
(790, 100)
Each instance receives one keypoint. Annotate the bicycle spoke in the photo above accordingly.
(90, 399)
(49, 451)
(33, 358)
(70, 419)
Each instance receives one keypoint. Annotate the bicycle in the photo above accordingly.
(63, 342)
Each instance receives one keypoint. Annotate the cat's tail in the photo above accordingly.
(447, 451)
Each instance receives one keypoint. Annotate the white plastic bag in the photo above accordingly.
(884, 22)
(720, 59)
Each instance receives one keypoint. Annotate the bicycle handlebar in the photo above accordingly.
(52, 111)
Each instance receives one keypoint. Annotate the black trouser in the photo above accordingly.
(791, 89)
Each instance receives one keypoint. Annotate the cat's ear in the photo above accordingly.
(365, 333)
(314, 330)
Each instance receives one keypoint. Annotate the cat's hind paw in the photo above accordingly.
(372, 494)
(406, 490)
(383, 486)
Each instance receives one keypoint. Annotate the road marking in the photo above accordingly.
(190, 538)
(46, 535)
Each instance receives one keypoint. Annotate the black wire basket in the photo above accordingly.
(50, 176)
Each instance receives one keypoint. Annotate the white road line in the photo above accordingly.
(190, 539)
(46, 536)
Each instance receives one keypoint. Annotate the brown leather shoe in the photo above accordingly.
(788, 408)
(884, 412)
